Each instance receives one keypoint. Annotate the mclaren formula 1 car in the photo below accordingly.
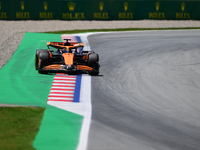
(66, 57)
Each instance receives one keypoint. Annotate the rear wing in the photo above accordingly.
(65, 45)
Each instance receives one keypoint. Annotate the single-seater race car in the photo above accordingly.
(66, 57)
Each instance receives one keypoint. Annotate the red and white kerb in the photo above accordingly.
(63, 88)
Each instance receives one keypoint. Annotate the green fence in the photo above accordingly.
(99, 10)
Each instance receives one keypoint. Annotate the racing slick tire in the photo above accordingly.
(44, 58)
(93, 62)
(37, 56)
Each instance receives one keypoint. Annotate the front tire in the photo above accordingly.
(37, 57)
(43, 60)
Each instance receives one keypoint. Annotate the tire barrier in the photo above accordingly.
(99, 10)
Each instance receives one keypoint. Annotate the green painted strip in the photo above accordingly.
(21, 84)
(59, 130)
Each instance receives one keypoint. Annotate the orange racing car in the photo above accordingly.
(66, 57)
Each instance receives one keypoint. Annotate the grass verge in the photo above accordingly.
(19, 126)
(120, 29)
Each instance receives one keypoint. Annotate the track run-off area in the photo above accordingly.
(67, 98)
(146, 96)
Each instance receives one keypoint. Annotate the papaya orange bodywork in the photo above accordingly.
(62, 45)
(69, 65)
(85, 57)
(83, 67)
(68, 57)
(56, 66)
(79, 67)
(50, 54)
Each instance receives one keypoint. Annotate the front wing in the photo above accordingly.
(58, 68)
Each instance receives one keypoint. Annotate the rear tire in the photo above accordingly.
(93, 62)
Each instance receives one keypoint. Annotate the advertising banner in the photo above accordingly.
(99, 10)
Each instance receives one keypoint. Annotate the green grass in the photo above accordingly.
(120, 29)
(19, 126)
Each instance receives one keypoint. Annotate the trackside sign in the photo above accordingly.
(99, 10)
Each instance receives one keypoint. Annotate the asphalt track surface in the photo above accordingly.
(147, 95)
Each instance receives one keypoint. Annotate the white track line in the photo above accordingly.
(85, 98)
